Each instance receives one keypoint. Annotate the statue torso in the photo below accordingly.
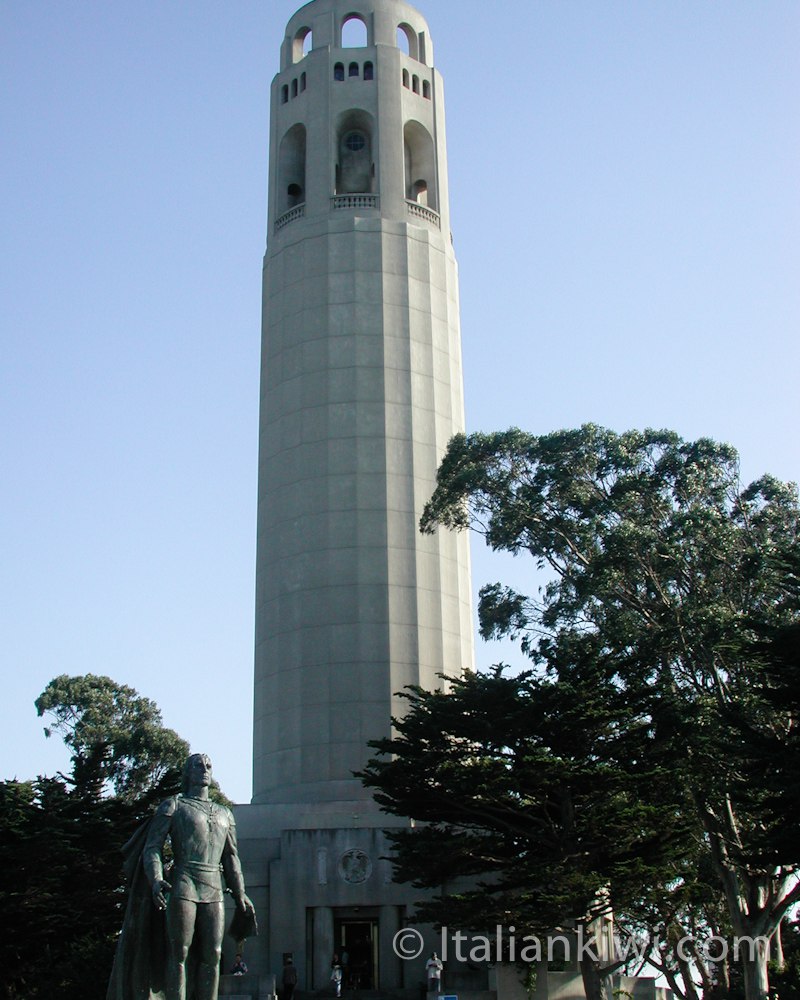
(199, 831)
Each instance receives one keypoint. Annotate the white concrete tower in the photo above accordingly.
(361, 390)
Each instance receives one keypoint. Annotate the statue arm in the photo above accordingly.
(232, 868)
(152, 855)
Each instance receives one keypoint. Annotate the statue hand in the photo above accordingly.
(245, 904)
(159, 888)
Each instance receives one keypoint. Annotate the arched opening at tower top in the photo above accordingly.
(411, 42)
(407, 40)
(420, 166)
(354, 32)
(355, 172)
(302, 43)
(291, 190)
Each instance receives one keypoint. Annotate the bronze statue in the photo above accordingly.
(179, 958)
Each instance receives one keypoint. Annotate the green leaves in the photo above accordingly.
(649, 541)
(677, 590)
(534, 785)
(61, 838)
(116, 736)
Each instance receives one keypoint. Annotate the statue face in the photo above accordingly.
(199, 769)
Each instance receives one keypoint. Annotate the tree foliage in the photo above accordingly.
(116, 736)
(535, 787)
(61, 881)
(666, 575)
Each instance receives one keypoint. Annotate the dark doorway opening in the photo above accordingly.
(356, 941)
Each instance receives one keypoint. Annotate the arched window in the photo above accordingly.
(415, 83)
(291, 169)
(407, 40)
(420, 165)
(302, 82)
(406, 78)
(338, 71)
(284, 93)
(294, 87)
(369, 72)
(354, 32)
(301, 44)
(354, 167)
(426, 89)
(353, 69)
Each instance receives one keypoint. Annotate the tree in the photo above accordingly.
(770, 756)
(116, 736)
(60, 878)
(60, 838)
(540, 789)
(679, 926)
(787, 978)
(659, 558)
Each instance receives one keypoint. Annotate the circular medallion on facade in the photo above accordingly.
(355, 866)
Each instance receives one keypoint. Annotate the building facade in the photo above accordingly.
(361, 389)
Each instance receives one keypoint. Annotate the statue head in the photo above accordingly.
(196, 771)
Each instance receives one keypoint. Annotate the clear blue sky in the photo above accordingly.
(624, 189)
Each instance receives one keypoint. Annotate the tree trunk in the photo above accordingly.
(595, 985)
(753, 956)
(686, 975)
(776, 949)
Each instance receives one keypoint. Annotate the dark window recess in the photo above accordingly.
(354, 141)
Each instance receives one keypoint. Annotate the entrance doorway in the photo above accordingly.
(356, 943)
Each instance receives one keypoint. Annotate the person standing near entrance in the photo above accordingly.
(433, 970)
(289, 978)
(336, 976)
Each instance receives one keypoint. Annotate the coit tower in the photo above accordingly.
(361, 389)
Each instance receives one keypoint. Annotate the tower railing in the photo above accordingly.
(354, 201)
(339, 201)
(294, 213)
(423, 212)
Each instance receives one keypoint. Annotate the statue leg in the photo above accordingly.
(210, 929)
(181, 916)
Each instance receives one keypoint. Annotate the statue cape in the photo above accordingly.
(141, 957)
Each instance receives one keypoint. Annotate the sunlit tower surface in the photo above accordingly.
(361, 391)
